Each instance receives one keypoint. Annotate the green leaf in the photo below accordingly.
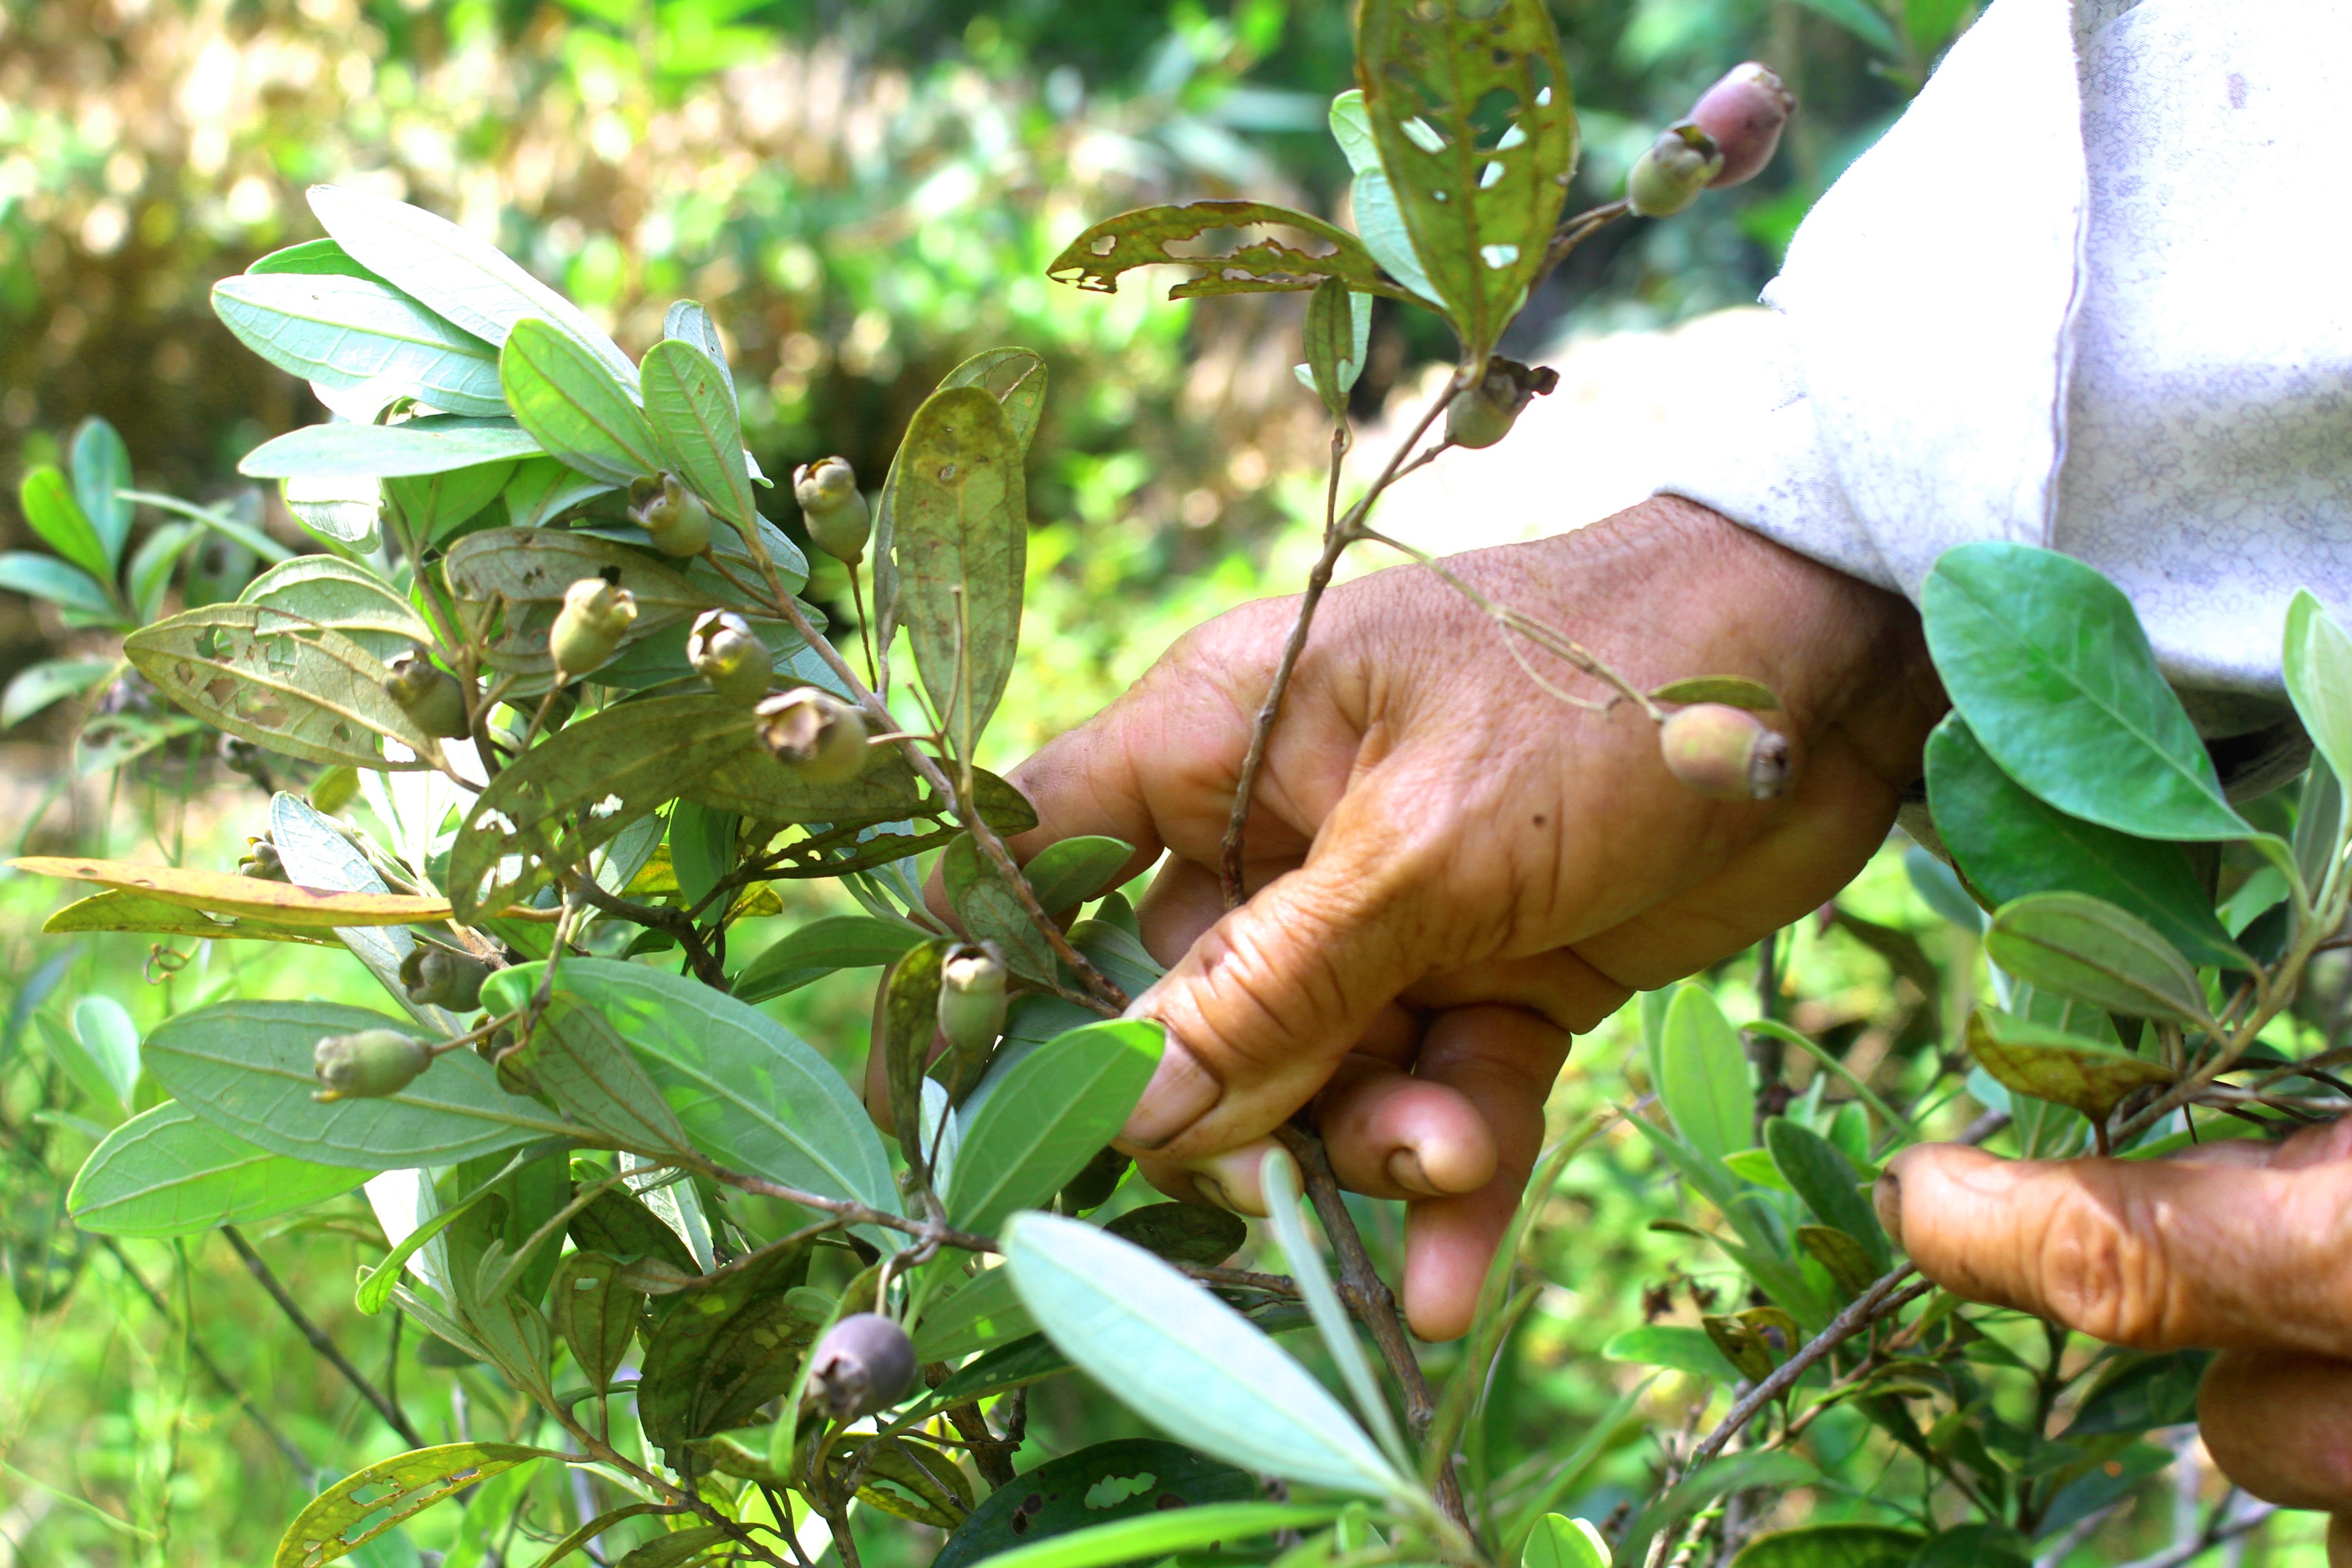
(355, 334)
(153, 563)
(462, 278)
(984, 1312)
(593, 1313)
(1773, 1467)
(1822, 1175)
(1469, 103)
(906, 1024)
(2137, 1393)
(2011, 844)
(1560, 1541)
(166, 1172)
(1150, 1537)
(298, 690)
(1845, 1259)
(530, 568)
(701, 848)
(46, 577)
(577, 1060)
(676, 1547)
(991, 912)
(1831, 1545)
(1014, 377)
(1977, 1545)
(2049, 1063)
(2047, 662)
(1127, 1477)
(427, 446)
(2318, 660)
(1279, 1176)
(1672, 1346)
(1143, 238)
(1377, 217)
(690, 404)
(109, 1043)
(246, 1067)
(1182, 1233)
(314, 256)
(1184, 1361)
(1703, 1077)
(55, 515)
(1333, 356)
(543, 487)
(620, 1225)
(343, 597)
(1864, 21)
(1732, 690)
(434, 505)
(574, 407)
(724, 1347)
(101, 472)
(345, 1515)
(688, 323)
(752, 1096)
(821, 947)
(120, 911)
(958, 507)
(318, 854)
(2087, 949)
(1058, 1106)
(37, 686)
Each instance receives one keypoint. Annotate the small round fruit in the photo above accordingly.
(595, 616)
(723, 651)
(814, 733)
(427, 694)
(972, 998)
(1745, 114)
(368, 1065)
(674, 515)
(1725, 753)
(864, 1364)
(1484, 413)
(839, 522)
(436, 977)
(1676, 168)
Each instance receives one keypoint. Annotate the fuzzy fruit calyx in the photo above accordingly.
(368, 1065)
(428, 694)
(729, 658)
(814, 733)
(864, 1364)
(674, 515)
(839, 522)
(595, 616)
(1484, 413)
(1725, 753)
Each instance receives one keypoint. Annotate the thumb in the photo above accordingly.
(1269, 999)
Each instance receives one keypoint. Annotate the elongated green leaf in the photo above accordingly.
(1182, 1233)
(1333, 355)
(1832, 1546)
(990, 912)
(2318, 661)
(701, 848)
(1774, 1467)
(1279, 1177)
(166, 1172)
(108, 1042)
(429, 446)
(2049, 1063)
(1127, 1477)
(1072, 870)
(574, 407)
(1703, 1077)
(433, 506)
(280, 681)
(2087, 949)
(2046, 661)
(37, 686)
(246, 1067)
(46, 577)
(1822, 1175)
(1053, 1112)
(821, 947)
(690, 404)
(1672, 1346)
(962, 516)
(57, 518)
(459, 277)
(101, 472)
(1373, 199)
(1470, 105)
(574, 1056)
(1559, 1542)
(314, 256)
(726, 1346)
(1184, 1361)
(344, 597)
(1153, 1536)
(344, 1516)
(984, 1312)
(130, 911)
(543, 487)
(593, 1312)
(350, 333)
(752, 1095)
(2011, 844)
(1014, 377)
(688, 323)
(1096, 259)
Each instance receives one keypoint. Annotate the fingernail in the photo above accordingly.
(1887, 1198)
(1404, 1169)
(1211, 1190)
(1180, 1093)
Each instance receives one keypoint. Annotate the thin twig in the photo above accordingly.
(228, 1385)
(1882, 1298)
(393, 1417)
(677, 923)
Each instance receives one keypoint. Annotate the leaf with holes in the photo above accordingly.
(281, 682)
(429, 446)
(957, 503)
(342, 597)
(361, 1507)
(725, 1347)
(1469, 104)
(1096, 259)
(1127, 1477)
(2049, 1063)
(349, 333)
(1014, 377)
(691, 407)
(167, 1172)
(574, 407)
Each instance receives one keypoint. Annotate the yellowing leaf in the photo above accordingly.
(225, 893)
(2049, 1064)
(151, 916)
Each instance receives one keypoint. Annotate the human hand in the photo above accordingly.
(1452, 871)
(2240, 1247)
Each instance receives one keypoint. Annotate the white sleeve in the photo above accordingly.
(2095, 306)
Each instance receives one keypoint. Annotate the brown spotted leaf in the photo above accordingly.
(2049, 1064)
(1144, 238)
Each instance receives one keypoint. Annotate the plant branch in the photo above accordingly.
(393, 1417)
(677, 923)
(1882, 1298)
(228, 1385)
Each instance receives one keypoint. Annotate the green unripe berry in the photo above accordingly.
(674, 515)
(595, 616)
(972, 999)
(1725, 753)
(368, 1065)
(839, 522)
(864, 1364)
(1668, 178)
(725, 653)
(261, 862)
(813, 733)
(427, 694)
(436, 977)
(1484, 413)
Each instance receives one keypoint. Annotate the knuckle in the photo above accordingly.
(2103, 1267)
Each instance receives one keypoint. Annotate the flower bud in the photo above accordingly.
(437, 977)
(972, 998)
(1725, 753)
(261, 862)
(1484, 414)
(1745, 114)
(864, 1364)
(814, 733)
(674, 515)
(368, 1065)
(427, 694)
(834, 509)
(724, 653)
(1669, 175)
(595, 616)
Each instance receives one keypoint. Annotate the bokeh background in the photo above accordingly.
(862, 193)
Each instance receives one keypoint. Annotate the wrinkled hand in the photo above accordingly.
(1452, 871)
(2241, 1247)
